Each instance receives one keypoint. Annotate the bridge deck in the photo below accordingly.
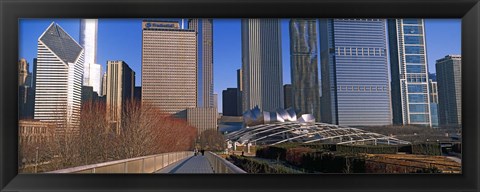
(194, 164)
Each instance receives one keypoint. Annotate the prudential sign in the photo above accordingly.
(160, 25)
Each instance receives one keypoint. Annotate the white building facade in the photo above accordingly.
(59, 77)
(88, 40)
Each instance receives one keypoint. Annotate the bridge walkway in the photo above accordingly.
(193, 164)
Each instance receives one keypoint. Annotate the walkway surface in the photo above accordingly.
(194, 164)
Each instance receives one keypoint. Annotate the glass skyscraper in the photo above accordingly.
(355, 86)
(409, 72)
(304, 66)
(59, 75)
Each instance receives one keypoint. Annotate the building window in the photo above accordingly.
(414, 50)
(418, 108)
(416, 88)
(414, 58)
(412, 29)
(412, 21)
(418, 118)
(417, 98)
(414, 40)
(414, 68)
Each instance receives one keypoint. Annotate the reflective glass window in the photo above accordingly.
(414, 40)
(412, 21)
(418, 108)
(414, 58)
(414, 68)
(418, 118)
(413, 49)
(417, 98)
(416, 88)
(412, 29)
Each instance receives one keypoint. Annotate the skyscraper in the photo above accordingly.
(25, 91)
(137, 93)
(287, 95)
(229, 102)
(169, 67)
(203, 118)
(262, 64)
(92, 74)
(239, 92)
(304, 66)
(59, 76)
(409, 72)
(355, 88)
(204, 31)
(120, 89)
(449, 82)
(22, 72)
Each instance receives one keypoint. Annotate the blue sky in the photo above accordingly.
(120, 39)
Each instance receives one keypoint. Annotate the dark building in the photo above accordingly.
(449, 83)
(287, 95)
(137, 94)
(26, 102)
(88, 94)
(230, 102)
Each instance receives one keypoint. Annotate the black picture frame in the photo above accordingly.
(12, 10)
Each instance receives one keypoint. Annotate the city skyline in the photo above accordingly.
(443, 38)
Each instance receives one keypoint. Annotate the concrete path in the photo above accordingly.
(194, 164)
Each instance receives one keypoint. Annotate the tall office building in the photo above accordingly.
(215, 101)
(287, 95)
(204, 31)
(25, 91)
(229, 102)
(262, 64)
(409, 72)
(304, 67)
(169, 67)
(137, 94)
(22, 72)
(92, 74)
(433, 100)
(120, 89)
(204, 118)
(355, 88)
(239, 92)
(449, 82)
(59, 76)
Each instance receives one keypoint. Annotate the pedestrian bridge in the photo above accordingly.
(176, 162)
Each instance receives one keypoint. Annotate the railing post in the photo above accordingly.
(155, 163)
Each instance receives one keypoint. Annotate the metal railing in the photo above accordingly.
(221, 165)
(145, 164)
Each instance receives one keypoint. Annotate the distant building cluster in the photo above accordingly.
(177, 77)
(356, 87)
(352, 89)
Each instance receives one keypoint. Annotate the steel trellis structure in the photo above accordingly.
(281, 132)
